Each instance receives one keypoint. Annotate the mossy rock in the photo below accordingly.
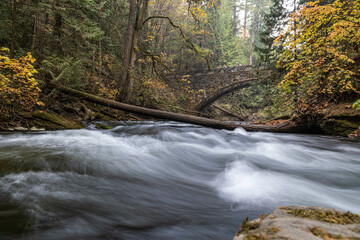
(103, 126)
(99, 116)
(248, 226)
(330, 216)
(342, 111)
(268, 233)
(52, 121)
(337, 126)
(323, 234)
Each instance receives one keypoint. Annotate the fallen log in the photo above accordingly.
(147, 111)
(286, 127)
(206, 122)
(229, 113)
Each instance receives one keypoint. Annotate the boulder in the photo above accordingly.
(300, 222)
(53, 121)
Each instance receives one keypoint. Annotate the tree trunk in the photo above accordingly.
(137, 30)
(144, 34)
(57, 28)
(245, 19)
(125, 81)
(235, 21)
(295, 32)
(100, 60)
(40, 20)
(33, 37)
(286, 127)
(253, 31)
(13, 15)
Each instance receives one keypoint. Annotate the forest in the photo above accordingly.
(124, 51)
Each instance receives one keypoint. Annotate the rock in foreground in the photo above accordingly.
(299, 222)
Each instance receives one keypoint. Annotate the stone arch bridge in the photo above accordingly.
(216, 83)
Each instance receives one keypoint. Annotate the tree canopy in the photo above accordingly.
(321, 51)
(122, 49)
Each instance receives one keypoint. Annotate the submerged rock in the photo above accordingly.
(20, 129)
(24, 129)
(102, 126)
(35, 129)
(355, 134)
(300, 222)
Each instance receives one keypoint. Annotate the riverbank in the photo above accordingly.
(335, 120)
(66, 112)
(339, 119)
(59, 113)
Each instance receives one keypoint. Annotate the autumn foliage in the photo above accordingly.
(322, 51)
(17, 83)
(357, 104)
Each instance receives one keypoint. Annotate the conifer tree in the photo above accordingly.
(274, 21)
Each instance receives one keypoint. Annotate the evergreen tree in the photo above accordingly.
(273, 21)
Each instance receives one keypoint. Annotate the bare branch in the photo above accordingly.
(191, 45)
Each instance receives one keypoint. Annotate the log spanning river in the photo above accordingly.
(149, 180)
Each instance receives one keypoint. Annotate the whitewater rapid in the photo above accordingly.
(165, 180)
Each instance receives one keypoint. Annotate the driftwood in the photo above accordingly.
(206, 122)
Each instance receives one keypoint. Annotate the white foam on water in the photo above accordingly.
(283, 173)
(240, 183)
(241, 131)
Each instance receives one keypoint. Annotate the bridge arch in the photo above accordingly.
(216, 82)
(207, 101)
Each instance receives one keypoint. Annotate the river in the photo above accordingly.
(165, 180)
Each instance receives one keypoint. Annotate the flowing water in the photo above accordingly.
(149, 180)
